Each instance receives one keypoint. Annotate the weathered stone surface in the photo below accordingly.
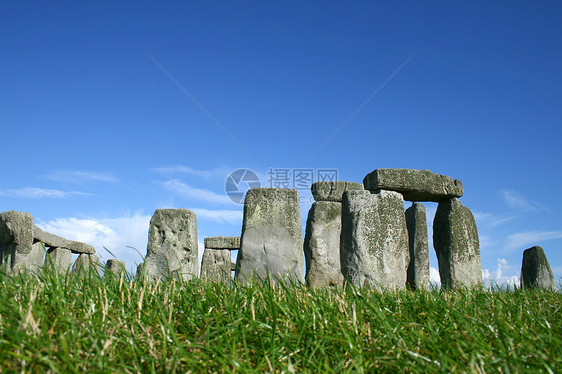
(418, 270)
(414, 185)
(374, 239)
(322, 244)
(52, 240)
(86, 265)
(31, 262)
(333, 191)
(59, 259)
(271, 241)
(216, 265)
(535, 270)
(455, 239)
(223, 242)
(16, 241)
(114, 267)
(172, 245)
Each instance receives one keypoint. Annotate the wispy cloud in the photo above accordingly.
(233, 217)
(205, 174)
(40, 193)
(80, 176)
(515, 200)
(190, 192)
(491, 220)
(522, 240)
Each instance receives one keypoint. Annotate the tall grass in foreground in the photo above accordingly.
(57, 323)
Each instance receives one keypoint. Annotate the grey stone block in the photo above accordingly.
(374, 240)
(52, 240)
(114, 267)
(223, 242)
(59, 259)
(216, 265)
(271, 242)
(86, 265)
(536, 271)
(16, 242)
(418, 270)
(414, 185)
(172, 245)
(322, 244)
(455, 239)
(333, 191)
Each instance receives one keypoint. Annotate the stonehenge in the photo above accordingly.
(355, 233)
(271, 243)
(216, 264)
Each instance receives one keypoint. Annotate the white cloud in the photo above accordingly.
(491, 220)
(116, 234)
(80, 176)
(233, 217)
(498, 277)
(517, 201)
(39, 193)
(522, 240)
(434, 276)
(190, 192)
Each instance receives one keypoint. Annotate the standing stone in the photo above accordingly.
(414, 185)
(172, 245)
(455, 239)
(535, 270)
(17, 252)
(216, 265)
(418, 270)
(374, 239)
(322, 244)
(86, 265)
(59, 259)
(271, 242)
(114, 267)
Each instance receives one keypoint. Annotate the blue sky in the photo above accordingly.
(110, 110)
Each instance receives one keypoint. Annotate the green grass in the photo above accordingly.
(65, 324)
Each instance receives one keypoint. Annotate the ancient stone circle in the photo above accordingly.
(355, 233)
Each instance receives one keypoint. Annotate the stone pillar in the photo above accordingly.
(323, 230)
(172, 245)
(59, 259)
(114, 267)
(216, 265)
(271, 242)
(418, 270)
(17, 251)
(86, 265)
(535, 270)
(374, 239)
(455, 239)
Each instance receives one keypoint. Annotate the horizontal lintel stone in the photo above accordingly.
(223, 242)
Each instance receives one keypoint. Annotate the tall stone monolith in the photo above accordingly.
(455, 239)
(17, 250)
(535, 270)
(172, 245)
(374, 239)
(271, 242)
(418, 270)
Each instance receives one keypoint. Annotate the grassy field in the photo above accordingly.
(62, 324)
